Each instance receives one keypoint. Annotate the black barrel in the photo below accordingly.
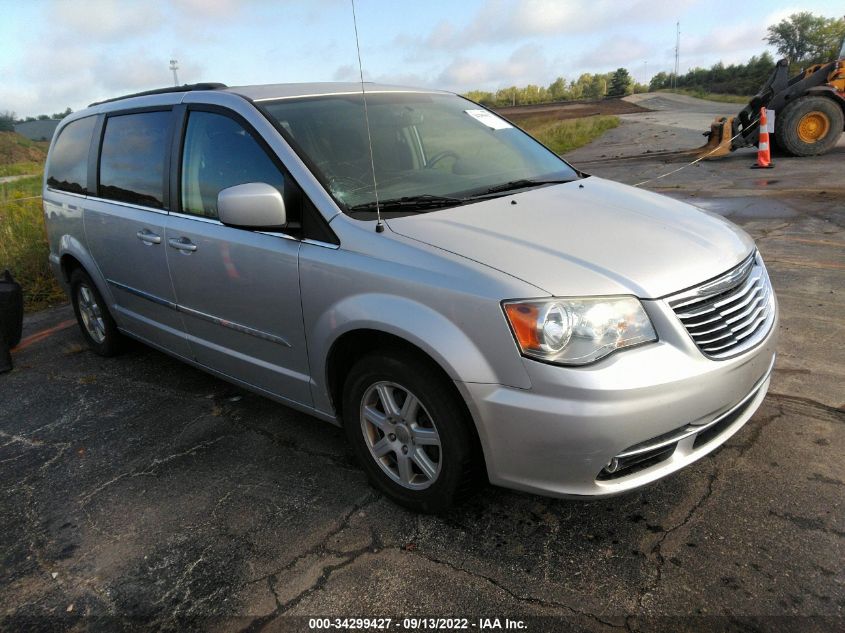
(11, 310)
(5, 357)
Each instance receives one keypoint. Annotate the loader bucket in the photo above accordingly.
(718, 139)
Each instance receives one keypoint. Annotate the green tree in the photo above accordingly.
(591, 86)
(7, 121)
(557, 89)
(581, 87)
(533, 94)
(737, 79)
(620, 83)
(660, 80)
(481, 96)
(507, 96)
(805, 38)
(62, 115)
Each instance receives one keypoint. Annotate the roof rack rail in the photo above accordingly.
(159, 91)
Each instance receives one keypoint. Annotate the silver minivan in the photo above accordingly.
(415, 268)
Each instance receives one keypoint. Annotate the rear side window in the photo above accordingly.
(132, 158)
(219, 153)
(68, 168)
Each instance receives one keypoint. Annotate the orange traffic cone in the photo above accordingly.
(764, 156)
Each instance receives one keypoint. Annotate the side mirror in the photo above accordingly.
(254, 205)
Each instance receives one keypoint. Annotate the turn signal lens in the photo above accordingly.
(523, 319)
(578, 331)
(544, 328)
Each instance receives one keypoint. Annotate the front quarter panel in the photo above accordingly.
(445, 305)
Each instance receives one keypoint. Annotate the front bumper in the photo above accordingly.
(655, 408)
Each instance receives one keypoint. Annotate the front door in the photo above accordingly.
(237, 289)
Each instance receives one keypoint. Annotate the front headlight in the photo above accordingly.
(577, 331)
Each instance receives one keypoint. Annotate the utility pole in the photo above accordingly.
(174, 66)
(645, 73)
(677, 54)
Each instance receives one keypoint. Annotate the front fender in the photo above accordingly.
(427, 329)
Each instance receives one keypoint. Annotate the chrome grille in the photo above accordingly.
(729, 314)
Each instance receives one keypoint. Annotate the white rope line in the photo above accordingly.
(699, 159)
(10, 201)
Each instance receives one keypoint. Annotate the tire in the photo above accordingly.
(809, 126)
(95, 321)
(452, 469)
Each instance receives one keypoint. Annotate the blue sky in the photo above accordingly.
(60, 53)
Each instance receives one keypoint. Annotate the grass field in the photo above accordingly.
(23, 243)
(19, 156)
(25, 168)
(566, 135)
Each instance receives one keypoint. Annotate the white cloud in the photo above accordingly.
(511, 20)
(208, 8)
(526, 64)
(97, 49)
(78, 51)
(347, 72)
(725, 40)
(614, 52)
(103, 20)
(80, 76)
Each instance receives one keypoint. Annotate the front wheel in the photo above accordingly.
(809, 126)
(409, 431)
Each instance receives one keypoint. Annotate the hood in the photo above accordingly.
(587, 237)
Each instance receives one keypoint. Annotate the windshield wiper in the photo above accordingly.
(409, 203)
(424, 202)
(512, 185)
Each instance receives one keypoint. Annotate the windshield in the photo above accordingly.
(429, 150)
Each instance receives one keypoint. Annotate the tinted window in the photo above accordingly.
(220, 153)
(132, 158)
(68, 169)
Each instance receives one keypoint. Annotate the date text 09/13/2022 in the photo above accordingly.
(417, 624)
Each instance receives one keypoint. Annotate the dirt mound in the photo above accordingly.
(15, 148)
(569, 109)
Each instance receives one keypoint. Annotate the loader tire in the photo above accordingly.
(809, 126)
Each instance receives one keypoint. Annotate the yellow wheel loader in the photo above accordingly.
(809, 112)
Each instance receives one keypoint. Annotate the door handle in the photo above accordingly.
(148, 237)
(182, 244)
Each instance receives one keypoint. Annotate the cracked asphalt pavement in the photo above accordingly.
(138, 492)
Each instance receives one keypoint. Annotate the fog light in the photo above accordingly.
(612, 466)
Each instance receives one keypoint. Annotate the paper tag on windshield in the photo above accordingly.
(489, 119)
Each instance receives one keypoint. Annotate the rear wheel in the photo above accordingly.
(809, 126)
(409, 431)
(97, 325)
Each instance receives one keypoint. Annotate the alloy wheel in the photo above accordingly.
(401, 435)
(90, 313)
